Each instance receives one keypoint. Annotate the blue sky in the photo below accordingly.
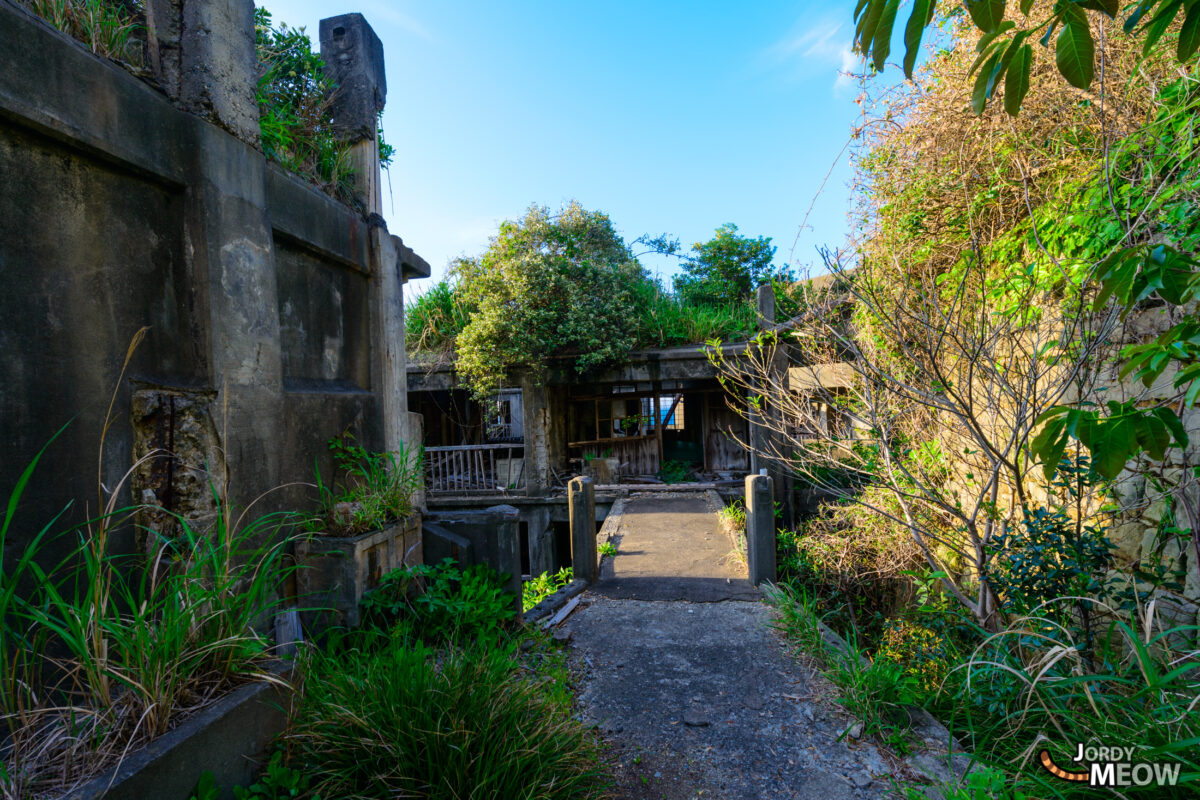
(670, 117)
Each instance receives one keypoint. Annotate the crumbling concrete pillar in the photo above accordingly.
(353, 58)
(218, 68)
(581, 503)
(760, 529)
(507, 548)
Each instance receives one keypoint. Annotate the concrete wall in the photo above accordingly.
(120, 209)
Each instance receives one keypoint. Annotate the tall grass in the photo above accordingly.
(105, 652)
(105, 27)
(1035, 684)
(434, 319)
(403, 720)
(665, 320)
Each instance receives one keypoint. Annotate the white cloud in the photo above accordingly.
(814, 49)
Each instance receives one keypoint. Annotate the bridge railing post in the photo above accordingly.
(581, 501)
(760, 528)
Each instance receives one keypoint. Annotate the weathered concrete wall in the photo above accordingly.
(119, 209)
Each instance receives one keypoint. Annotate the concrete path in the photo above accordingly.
(671, 549)
(693, 692)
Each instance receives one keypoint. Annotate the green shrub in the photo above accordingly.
(378, 488)
(456, 603)
(674, 472)
(403, 720)
(538, 589)
(434, 318)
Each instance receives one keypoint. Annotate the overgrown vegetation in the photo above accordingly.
(538, 589)
(109, 28)
(102, 652)
(1016, 322)
(397, 718)
(564, 289)
(376, 489)
(438, 696)
(293, 95)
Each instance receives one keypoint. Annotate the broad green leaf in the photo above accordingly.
(1109, 7)
(881, 45)
(1159, 23)
(986, 14)
(1025, 6)
(983, 81)
(1174, 424)
(867, 25)
(1016, 83)
(1074, 51)
(921, 15)
(1189, 34)
(1051, 441)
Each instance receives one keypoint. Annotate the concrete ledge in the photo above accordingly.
(230, 738)
(313, 220)
(53, 84)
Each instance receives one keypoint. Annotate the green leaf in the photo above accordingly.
(986, 14)
(881, 45)
(1132, 20)
(1074, 50)
(921, 15)
(867, 25)
(1109, 7)
(1189, 35)
(1025, 6)
(1016, 83)
(1159, 24)
(983, 82)
(1051, 441)
(1174, 424)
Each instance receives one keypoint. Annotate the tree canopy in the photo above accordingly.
(727, 268)
(549, 285)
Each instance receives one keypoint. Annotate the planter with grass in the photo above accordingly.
(364, 528)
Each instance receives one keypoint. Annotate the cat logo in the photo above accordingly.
(1111, 767)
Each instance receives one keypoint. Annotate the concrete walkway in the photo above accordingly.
(694, 693)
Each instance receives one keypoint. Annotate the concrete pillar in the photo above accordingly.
(353, 58)
(760, 529)
(763, 439)
(506, 548)
(218, 69)
(581, 501)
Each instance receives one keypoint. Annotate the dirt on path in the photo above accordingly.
(686, 682)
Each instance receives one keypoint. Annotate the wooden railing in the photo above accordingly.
(475, 468)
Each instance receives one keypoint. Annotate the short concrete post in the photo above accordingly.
(760, 529)
(581, 499)
(507, 548)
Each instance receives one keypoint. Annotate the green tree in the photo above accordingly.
(549, 285)
(727, 268)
